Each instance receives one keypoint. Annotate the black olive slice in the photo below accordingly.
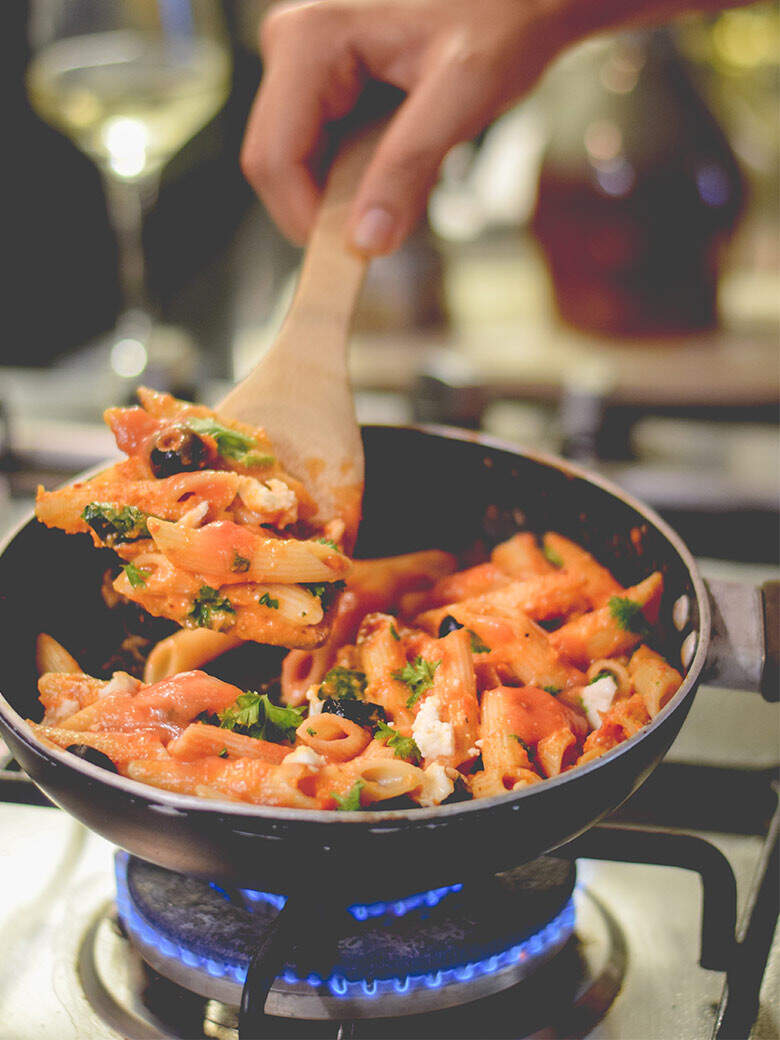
(90, 754)
(178, 450)
(448, 624)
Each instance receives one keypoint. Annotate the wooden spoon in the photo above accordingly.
(299, 391)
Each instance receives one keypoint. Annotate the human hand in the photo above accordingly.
(460, 63)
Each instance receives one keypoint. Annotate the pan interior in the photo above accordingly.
(424, 490)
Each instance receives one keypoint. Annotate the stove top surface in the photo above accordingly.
(637, 932)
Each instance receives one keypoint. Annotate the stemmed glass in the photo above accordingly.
(130, 82)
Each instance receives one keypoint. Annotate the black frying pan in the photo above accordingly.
(426, 488)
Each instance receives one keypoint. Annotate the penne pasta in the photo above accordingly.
(598, 583)
(200, 507)
(419, 683)
(654, 680)
(520, 557)
(51, 656)
(613, 629)
(186, 650)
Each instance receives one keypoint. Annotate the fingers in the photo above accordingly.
(439, 112)
(309, 79)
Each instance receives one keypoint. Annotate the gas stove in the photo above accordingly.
(629, 932)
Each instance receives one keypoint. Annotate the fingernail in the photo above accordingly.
(373, 232)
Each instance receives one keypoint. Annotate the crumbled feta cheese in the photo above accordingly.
(597, 697)
(437, 784)
(120, 682)
(478, 743)
(474, 751)
(304, 756)
(272, 497)
(313, 697)
(433, 737)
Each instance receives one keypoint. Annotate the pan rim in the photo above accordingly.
(172, 803)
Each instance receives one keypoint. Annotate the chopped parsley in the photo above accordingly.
(394, 633)
(418, 676)
(323, 590)
(231, 444)
(136, 575)
(268, 601)
(116, 524)
(526, 747)
(223, 753)
(603, 674)
(403, 747)
(329, 542)
(350, 802)
(628, 615)
(343, 684)
(210, 610)
(311, 732)
(240, 564)
(477, 646)
(255, 715)
(552, 556)
(553, 690)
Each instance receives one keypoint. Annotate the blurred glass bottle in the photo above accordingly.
(638, 191)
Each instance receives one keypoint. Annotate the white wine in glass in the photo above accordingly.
(127, 99)
(130, 82)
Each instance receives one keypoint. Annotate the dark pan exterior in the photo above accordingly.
(426, 488)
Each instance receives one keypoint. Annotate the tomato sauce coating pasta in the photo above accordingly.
(434, 684)
(211, 531)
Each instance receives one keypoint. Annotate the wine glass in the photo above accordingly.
(130, 82)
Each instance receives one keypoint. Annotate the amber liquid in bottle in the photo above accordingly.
(638, 192)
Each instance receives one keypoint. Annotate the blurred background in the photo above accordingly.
(598, 274)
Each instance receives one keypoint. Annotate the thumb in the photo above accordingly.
(436, 115)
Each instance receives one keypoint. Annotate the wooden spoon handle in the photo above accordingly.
(332, 273)
(299, 391)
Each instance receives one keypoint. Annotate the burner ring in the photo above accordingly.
(398, 965)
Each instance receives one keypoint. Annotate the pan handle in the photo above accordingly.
(744, 652)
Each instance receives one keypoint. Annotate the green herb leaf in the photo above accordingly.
(603, 674)
(350, 802)
(394, 633)
(343, 684)
(240, 564)
(210, 610)
(329, 542)
(628, 615)
(403, 747)
(311, 732)
(255, 715)
(554, 690)
(256, 460)
(268, 601)
(323, 590)
(116, 524)
(136, 575)
(477, 646)
(531, 752)
(223, 753)
(552, 556)
(418, 676)
(231, 444)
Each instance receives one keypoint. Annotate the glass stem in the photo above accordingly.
(128, 201)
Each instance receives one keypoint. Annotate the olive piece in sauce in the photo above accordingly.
(177, 450)
(90, 754)
(364, 713)
(448, 624)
